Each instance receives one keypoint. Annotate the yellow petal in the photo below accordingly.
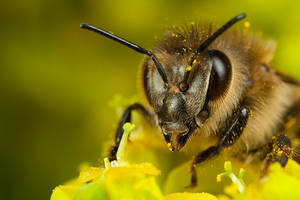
(190, 196)
(89, 174)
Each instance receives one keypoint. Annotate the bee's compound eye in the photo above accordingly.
(220, 75)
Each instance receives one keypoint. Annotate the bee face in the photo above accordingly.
(179, 112)
(176, 109)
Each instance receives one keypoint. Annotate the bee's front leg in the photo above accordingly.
(126, 117)
(280, 151)
(228, 138)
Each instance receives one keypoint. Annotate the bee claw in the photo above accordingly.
(191, 186)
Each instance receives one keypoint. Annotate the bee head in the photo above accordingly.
(181, 110)
(194, 75)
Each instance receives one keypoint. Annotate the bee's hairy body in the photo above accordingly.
(269, 95)
(223, 88)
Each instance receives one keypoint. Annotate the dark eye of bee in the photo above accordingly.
(220, 75)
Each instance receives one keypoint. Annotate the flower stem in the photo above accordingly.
(128, 128)
(236, 180)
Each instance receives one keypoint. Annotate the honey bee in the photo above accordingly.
(217, 82)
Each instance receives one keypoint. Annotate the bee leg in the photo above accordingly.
(281, 151)
(126, 117)
(229, 138)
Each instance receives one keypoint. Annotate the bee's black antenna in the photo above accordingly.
(205, 44)
(130, 45)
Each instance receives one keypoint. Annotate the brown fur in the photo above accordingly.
(268, 94)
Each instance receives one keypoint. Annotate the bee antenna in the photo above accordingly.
(130, 45)
(206, 43)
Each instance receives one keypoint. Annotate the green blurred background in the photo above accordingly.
(57, 80)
